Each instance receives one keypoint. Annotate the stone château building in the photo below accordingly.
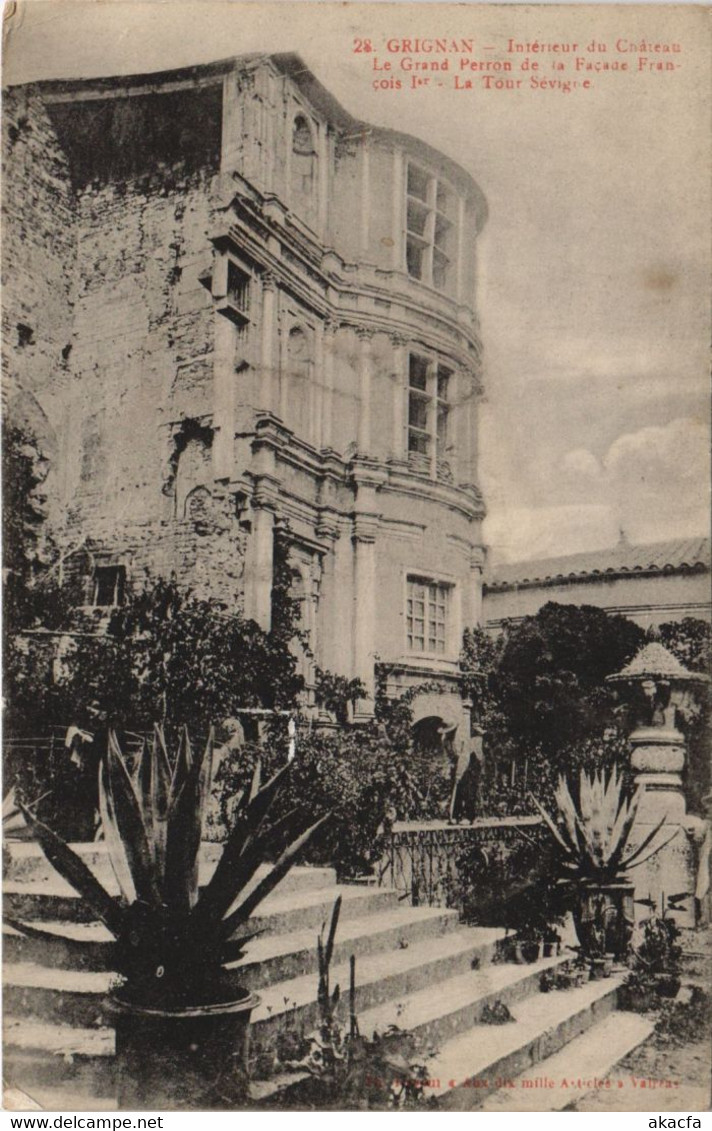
(230, 305)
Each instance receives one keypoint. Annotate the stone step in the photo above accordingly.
(53, 1034)
(77, 997)
(25, 862)
(458, 1003)
(476, 1063)
(35, 1053)
(69, 1098)
(282, 911)
(381, 977)
(558, 1080)
(270, 958)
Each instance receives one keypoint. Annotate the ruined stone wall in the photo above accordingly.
(145, 339)
(110, 335)
(38, 274)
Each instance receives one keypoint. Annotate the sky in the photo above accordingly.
(594, 264)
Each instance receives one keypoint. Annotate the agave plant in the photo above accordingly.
(594, 836)
(175, 941)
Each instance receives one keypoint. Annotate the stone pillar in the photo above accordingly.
(269, 397)
(326, 377)
(477, 565)
(664, 688)
(368, 480)
(658, 756)
(224, 398)
(365, 378)
(316, 387)
(398, 232)
(400, 396)
(262, 563)
(365, 218)
(364, 541)
(460, 253)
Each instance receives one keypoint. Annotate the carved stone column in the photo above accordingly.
(262, 561)
(269, 398)
(326, 377)
(368, 480)
(364, 541)
(477, 566)
(400, 396)
(365, 381)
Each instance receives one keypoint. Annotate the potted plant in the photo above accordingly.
(180, 1012)
(593, 839)
(656, 961)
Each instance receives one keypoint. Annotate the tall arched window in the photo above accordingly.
(303, 172)
(300, 366)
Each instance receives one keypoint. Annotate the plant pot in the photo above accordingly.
(551, 949)
(599, 968)
(667, 985)
(637, 999)
(188, 1059)
(527, 951)
(604, 917)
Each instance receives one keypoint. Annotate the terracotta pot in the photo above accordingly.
(603, 917)
(667, 985)
(637, 999)
(188, 1059)
(527, 951)
(597, 969)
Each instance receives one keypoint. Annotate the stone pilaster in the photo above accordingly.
(365, 531)
(400, 396)
(365, 382)
(269, 393)
(477, 566)
(326, 379)
(224, 396)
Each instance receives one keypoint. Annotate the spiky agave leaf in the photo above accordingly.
(73, 869)
(332, 931)
(256, 779)
(270, 881)
(622, 828)
(220, 892)
(568, 812)
(130, 825)
(117, 854)
(183, 762)
(76, 947)
(639, 855)
(234, 949)
(552, 826)
(258, 847)
(184, 828)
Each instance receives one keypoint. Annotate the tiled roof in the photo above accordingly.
(657, 557)
(654, 660)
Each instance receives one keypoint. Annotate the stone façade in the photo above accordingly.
(229, 305)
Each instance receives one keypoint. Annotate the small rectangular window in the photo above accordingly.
(109, 585)
(419, 400)
(426, 615)
(238, 288)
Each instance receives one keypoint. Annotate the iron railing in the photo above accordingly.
(420, 859)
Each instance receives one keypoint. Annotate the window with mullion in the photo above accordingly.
(429, 227)
(426, 615)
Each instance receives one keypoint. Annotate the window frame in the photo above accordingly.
(437, 223)
(438, 408)
(443, 587)
(119, 586)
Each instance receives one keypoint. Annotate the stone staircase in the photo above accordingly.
(416, 967)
